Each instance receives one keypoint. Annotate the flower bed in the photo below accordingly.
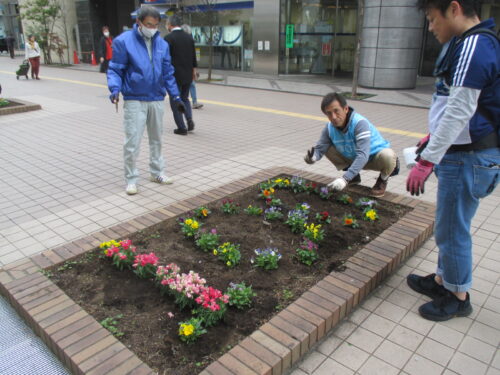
(155, 327)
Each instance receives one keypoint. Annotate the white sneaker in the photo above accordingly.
(131, 189)
(162, 179)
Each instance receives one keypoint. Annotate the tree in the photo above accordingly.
(43, 15)
(210, 17)
(361, 8)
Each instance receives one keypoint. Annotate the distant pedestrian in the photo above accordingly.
(352, 143)
(184, 61)
(141, 69)
(10, 45)
(192, 88)
(33, 55)
(105, 51)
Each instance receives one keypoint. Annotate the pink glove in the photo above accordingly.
(417, 177)
(422, 144)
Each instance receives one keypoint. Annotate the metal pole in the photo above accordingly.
(334, 50)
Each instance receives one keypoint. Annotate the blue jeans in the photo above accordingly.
(463, 179)
(192, 91)
(178, 117)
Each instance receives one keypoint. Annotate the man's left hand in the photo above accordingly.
(180, 105)
(338, 184)
(417, 177)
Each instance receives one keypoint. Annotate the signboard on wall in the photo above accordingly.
(326, 49)
(222, 35)
(289, 36)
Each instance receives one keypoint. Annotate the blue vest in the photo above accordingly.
(345, 143)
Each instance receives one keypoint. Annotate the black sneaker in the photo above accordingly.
(426, 285)
(190, 124)
(445, 308)
(355, 180)
(180, 131)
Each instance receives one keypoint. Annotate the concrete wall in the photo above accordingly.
(391, 42)
(265, 28)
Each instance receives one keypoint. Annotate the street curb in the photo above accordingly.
(85, 347)
(23, 107)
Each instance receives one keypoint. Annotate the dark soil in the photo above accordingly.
(104, 291)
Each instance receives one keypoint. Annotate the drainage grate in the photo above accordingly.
(21, 351)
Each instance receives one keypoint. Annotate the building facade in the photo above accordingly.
(286, 36)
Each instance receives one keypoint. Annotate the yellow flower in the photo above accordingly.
(271, 190)
(228, 263)
(188, 221)
(195, 224)
(215, 252)
(278, 180)
(287, 182)
(371, 214)
(186, 329)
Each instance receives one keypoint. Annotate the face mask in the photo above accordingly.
(148, 33)
(106, 34)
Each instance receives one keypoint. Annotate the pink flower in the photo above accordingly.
(170, 315)
(122, 256)
(213, 231)
(126, 244)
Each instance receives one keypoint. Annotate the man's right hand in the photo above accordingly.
(180, 104)
(114, 97)
(309, 158)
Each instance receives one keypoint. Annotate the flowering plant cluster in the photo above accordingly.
(253, 210)
(303, 207)
(296, 220)
(229, 253)
(202, 212)
(282, 183)
(240, 295)
(325, 193)
(307, 253)
(121, 253)
(183, 287)
(145, 265)
(189, 227)
(323, 217)
(213, 305)
(267, 258)
(191, 330)
(311, 187)
(314, 233)
(345, 199)
(267, 193)
(370, 214)
(229, 207)
(273, 213)
(298, 184)
(365, 202)
(350, 221)
(276, 202)
(207, 241)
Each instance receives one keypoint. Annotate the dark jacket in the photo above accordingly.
(133, 73)
(101, 51)
(183, 55)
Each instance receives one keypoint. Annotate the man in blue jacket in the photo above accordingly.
(141, 70)
(352, 143)
(463, 149)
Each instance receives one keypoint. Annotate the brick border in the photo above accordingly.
(23, 107)
(85, 347)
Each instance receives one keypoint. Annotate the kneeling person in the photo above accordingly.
(352, 143)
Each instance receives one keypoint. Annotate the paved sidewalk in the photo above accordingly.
(62, 178)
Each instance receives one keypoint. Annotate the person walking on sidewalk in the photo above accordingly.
(10, 45)
(192, 88)
(105, 50)
(33, 55)
(141, 70)
(463, 149)
(184, 61)
(352, 143)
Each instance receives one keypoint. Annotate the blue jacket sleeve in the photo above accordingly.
(168, 75)
(117, 66)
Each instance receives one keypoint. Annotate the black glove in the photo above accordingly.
(180, 105)
(309, 156)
